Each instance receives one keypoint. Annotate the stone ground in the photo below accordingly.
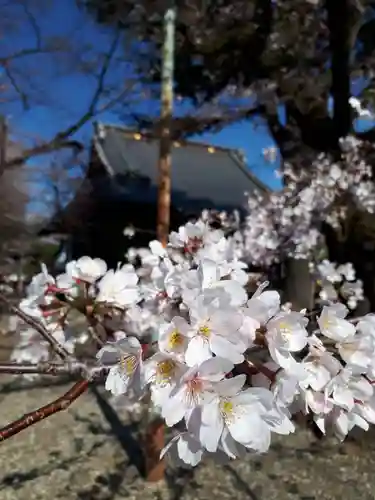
(90, 452)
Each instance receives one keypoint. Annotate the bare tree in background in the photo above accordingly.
(40, 58)
(37, 59)
(56, 183)
(14, 197)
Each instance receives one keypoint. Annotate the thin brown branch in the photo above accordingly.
(17, 88)
(182, 127)
(46, 411)
(33, 23)
(95, 335)
(34, 323)
(42, 368)
(24, 53)
(58, 142)
(103, 73)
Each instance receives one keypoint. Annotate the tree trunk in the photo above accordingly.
(153, 445)
(299, 284)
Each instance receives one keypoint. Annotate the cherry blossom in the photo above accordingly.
(119, 287)
(126, 371)
(87, 269)
(225, 368)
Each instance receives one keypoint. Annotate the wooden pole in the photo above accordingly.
(165, 161)
(154, 443)
(154, 438)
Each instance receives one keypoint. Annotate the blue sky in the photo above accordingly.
(68, 95)
(62, 93)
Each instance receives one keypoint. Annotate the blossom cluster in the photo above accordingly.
(224, 368)
(338, 282)
(288, 222)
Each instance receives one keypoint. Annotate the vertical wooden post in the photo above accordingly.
(154, 443)
(299, 286)
(165, 161)
(154, 437)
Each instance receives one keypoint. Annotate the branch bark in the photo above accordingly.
(46, 411)
(42, 368)
(34, 323)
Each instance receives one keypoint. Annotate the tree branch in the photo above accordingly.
(17, 88)
(43, 368)
(188, 125)
(23, 53)
(103, 72)
(56, 346)
(46, 411)
(33, 23)
(340, 45)
(62, 139)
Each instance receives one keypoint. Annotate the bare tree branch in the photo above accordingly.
(188, 125)
(46, 411)
(63, 139)
(69, 367)
(103, 72)
(17, 88)
(25, 52)
(41, 368)
(33, 23)
(56, 346)
(59, 141)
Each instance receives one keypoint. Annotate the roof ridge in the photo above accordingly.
(133, 131)
(242, 165)
(233, 153)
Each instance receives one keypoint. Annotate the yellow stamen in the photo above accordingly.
(227, 410)
(205, 331)
(285, 330)
(175, 339)
(227, 407)
(128, 363)
(165, 370)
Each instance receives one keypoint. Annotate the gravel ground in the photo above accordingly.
(91, 452)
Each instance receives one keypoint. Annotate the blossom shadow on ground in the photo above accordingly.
(125, 434)
(17, 480)
(241, 484)
(178, 479)
(106, 487)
